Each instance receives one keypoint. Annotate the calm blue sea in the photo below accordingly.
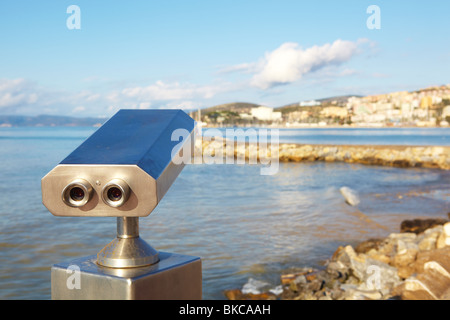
(354, 136)
(242, 224)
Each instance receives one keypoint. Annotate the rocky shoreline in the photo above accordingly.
(413, 264)
(397, 156)
(409, 265)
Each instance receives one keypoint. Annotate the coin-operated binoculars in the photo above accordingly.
(123, 170)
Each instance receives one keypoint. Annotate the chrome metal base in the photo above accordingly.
(128, 250)
(127, 253)
(174, 277)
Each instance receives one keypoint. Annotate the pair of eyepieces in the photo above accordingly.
(77, 193)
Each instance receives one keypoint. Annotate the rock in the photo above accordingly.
(233, 294)
(363, 271)
(443, 239)
(375, 274)
(420, 225)
(315, 285)
(405, 254)
(344, 255)
(236, 294)
(404, 247)
(405, 258)
(408, 265)
(367, 245)
(408, 237)
(441, 256)
(350, 196)
(352, 292)
(398, 243)
(387, 248)
(375, 254)
(428, 239)
(290, 277)
(405, 272)
(432, 157)
(413, 289)
(338, 270)
(432, 284)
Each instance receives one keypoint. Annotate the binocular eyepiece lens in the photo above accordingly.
(77, 193)
(115, 193)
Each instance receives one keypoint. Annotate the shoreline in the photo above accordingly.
(329, 127)
(413, 264)
(404, 156)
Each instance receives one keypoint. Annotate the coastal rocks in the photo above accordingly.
(420, 225)
(253, 290)
(350, 196)
(368, 245)
(397, 156)
(370, 275)
(406, 265)
(432, 278)
(236, 294)
(443, 239)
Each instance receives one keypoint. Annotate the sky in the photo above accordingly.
(189, 54)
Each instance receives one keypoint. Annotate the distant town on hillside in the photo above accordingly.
(424, 107)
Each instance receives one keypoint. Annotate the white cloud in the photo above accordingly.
(87, 96)
(78, 109)
(144, 105)
(187, 104)
(24, 96)
(243, 67)
(286, 64)
(17, 92)
(290, 62)
(170, 91)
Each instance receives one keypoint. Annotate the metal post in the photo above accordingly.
(128, 249)
(128, 269)
(174, 277)
(123, 170)
(127, 227)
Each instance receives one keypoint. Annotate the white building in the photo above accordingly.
(310, 103)
(266, 114)
(246, 116)
(446, 112)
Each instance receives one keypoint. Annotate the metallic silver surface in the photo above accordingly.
(174, 277)
(127, 227)
(141, 201)
(123, 170)
(124, 190)
(133, 148)
(78, 183)
(128, 250)
(127, 253)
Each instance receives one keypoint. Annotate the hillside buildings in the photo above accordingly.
(265, 114)
(425, 107)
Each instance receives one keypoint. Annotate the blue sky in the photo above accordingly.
(195, 54)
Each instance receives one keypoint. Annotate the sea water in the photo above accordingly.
(242, 224)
